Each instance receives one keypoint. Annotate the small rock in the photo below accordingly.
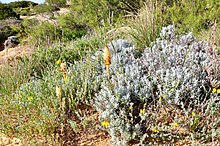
(12, 41)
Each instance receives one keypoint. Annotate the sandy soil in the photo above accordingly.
(9, 141)
(11, 54)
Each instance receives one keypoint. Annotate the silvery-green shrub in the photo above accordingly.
(174, 68)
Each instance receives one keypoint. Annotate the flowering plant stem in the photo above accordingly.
(107, 71)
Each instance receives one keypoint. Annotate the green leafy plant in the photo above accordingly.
(71, 29)
(6, 12)
(21, 4)
(43, 8)
(7, 31)
(192, 15)
(57, 3)
(46, 33)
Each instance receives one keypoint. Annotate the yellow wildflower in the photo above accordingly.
(58, 61)
(160, 99)
(63, 69)
(105, 123)
(155, 130)
(174, 124)
(214, 90)
(142, 111)
(194, 114)
(130, 107)
(29, 98)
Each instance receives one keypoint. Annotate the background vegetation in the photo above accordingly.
(54, 94)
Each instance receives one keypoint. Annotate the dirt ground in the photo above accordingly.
(88, 140)
(8, 56)
(9, 141)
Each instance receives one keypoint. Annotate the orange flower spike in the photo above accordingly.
(107, 55)
(107, 59)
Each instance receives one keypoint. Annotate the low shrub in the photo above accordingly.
(71, 28)
(44, 34)
(38, 100)
(70, 52)
(7, 12)
(171, 73)
(34, 90)
(21, 4)
(192, 16)
(44, 8)
(57, 3)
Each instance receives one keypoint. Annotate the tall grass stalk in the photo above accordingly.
(143, 25)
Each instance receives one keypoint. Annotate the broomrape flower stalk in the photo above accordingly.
(59, 95)
(63, 69)
(58, 91)
(107, 59)
(62, 105)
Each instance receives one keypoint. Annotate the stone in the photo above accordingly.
(11, 42)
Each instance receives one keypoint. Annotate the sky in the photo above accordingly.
(8, 1)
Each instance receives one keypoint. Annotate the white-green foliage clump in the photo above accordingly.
(128, 86)
(178, 66)
(173, 69)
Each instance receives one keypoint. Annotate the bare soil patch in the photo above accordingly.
(8, 56)
(9, 141)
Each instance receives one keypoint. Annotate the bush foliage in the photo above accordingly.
(21, 4)
(192, 15)
(7, 31)
(6, 12)
(173, 71)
